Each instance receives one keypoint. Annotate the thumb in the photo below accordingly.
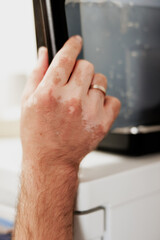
(38, 72)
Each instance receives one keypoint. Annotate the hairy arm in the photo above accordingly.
(62, 120)
(46, 203)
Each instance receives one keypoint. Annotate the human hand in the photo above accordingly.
(62, 118)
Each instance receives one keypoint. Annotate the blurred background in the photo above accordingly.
(17, 59)
(119, 196)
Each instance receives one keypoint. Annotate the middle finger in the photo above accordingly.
(62, 65)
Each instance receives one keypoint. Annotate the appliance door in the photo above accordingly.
(122, 39)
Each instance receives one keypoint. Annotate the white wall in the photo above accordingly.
(17, 50)
(17, 36)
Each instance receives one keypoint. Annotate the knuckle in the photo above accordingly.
(44, 98)
(100, 79)
(89, 65)
(40, 98)
(116, 102)
(106, 127)
(28, 103)
(86, 64)
(65, 60)
(101, 76)
(79, 62)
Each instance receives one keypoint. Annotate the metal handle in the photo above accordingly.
(51, 25)
(59, 22)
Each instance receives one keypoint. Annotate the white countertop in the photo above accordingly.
(95, 165)
(97, 168)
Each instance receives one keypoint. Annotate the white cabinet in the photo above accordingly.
(129, 191)
(118, 197)
(89, 224)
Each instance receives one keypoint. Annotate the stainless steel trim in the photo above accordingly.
(89, 211)
(50, 21)
(120, 3)
(137, 130)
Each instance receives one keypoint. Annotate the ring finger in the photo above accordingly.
(98, 87)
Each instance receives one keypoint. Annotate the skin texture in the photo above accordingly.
(62, 120)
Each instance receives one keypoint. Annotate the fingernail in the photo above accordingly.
(79, 38)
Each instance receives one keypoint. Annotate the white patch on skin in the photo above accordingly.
(61, 73)
(55, 62)
(29, 103)
(71, 110)
(89, 125)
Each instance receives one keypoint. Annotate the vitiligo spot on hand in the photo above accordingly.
(71, 110)
(89, 125)
(60, 75)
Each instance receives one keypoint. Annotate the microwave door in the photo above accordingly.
(51, 25)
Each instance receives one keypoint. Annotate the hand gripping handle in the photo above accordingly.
(51, 25)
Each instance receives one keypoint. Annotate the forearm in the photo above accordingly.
(46, 203)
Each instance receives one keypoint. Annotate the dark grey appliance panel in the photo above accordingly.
(122, 40)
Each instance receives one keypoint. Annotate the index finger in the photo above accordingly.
(63, 63)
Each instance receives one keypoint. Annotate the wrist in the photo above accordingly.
(51, 161)
(40, 174)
